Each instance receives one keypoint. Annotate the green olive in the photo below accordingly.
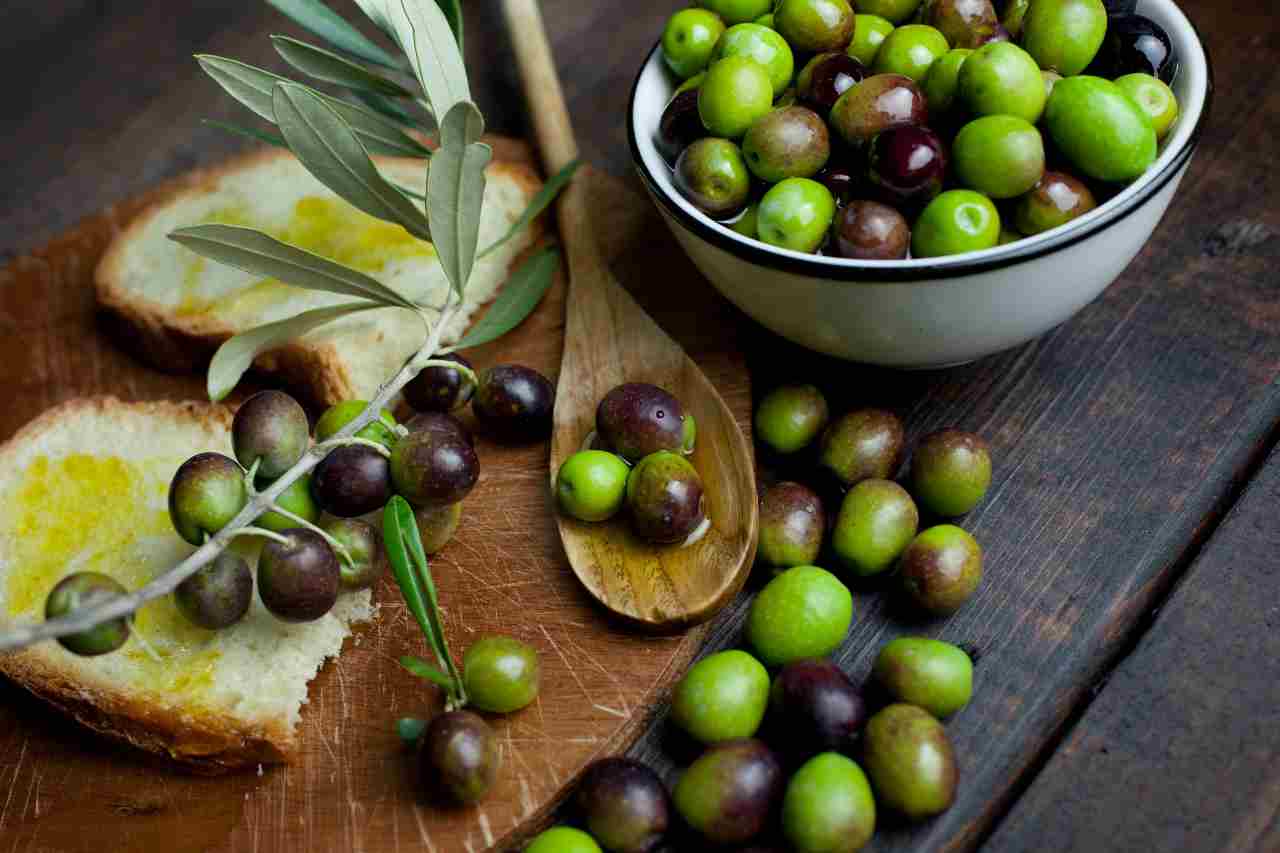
(876, 522)
(790, 417)
(763, 45)
(1100, 129)
(729, 793)
(1008, 235)
(1001, 78)
(592, 485)
(562, 839)
(951, 471)
(1015, 12)
(862, 445)
(88, 589)
(721, 697)
(941, 568)
(895, 11)
(1154, 97)
(501, 674)
(736, 92)
(665, 498)
(368, 561)
(270, 429)
(815, 25)
(737, 11)
(296, 499)
(690, 438)
(1064, 34)
(437, 524)
(712, 174)
(909, 758)
(943, 80)
(804, 612)
(910, 50)
(999, 156)
(218, 595)
(935, 675)
(688, 40)
(207, 491)
(791, 142)
(796, 214)
(828, 807)
(956, 221)
(869, 33)
(382, 429)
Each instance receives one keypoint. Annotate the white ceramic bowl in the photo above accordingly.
(930, 312)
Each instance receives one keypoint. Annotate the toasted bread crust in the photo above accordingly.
(184, 343)
(201, 740)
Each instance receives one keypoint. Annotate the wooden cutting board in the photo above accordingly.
(63, 789)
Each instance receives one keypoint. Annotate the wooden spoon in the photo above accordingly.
(609, 340)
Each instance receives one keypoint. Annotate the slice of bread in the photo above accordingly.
(84, 487)
(183, 306)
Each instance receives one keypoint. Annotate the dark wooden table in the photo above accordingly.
(1128, 631)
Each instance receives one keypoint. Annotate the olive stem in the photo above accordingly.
(338, 547)
(87, 618)
(250, 530)
(467, 372)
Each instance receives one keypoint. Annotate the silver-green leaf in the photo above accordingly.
(333, 28)
(253, 87)
(540, 202)
(455, 192)
(519, 296)
(424, 34)
(261, 254)
(331, 151)
(246, 132)
(453, 12)
(330, 67)
(236, 355)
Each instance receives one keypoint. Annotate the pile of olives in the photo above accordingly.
(637, 462)
(887, 129)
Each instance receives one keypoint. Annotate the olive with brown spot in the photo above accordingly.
(862, 445)
(431, 469)
(1056, 199)
(941, 568)
(440, 389)
(665, 498)
(909, 758)
(878, 103)
(787, 143)
(514, 403)
(792, 525)
(951, 471)
(458, 757)
(870, 231)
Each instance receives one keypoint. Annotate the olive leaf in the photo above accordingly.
(254, 88)
(519, 296)
(388, 107)
(247, 132)
(330, 67)
(261, 254)
(318, 18)
(332, 152)
(236, 355)
(455, 192)
(540, 202)
(422, 669)
(423, 32)
(453, 12)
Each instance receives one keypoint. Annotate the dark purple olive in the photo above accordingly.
(665, 498)
(1134, 44)
(841, 181)
(728, 795)
(434, 469)
(906, 165)
(270, 428)
(792, 525)
(878, 103)
(440, 389)
(637, 419)
(458, 757)
(352, 480)
(870, 231)
(680, 125)
(515, 403)
(441, 424)
(298, 580)
(813, 708)
(218, 595)
(1057, 199)
(826, 77)
(862, 445)
(624, 805)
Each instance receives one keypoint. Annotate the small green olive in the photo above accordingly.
(1001, 78)
(790, 417)
(896, 11)
(712, 174)
(88, 589)
(796, 214)
(999, 156)
(909, 758)
(688, 40)
(943, 80)
(1155, 98)
(935, 675)
(1100, 129)
(941, 568)
(1064, 34)
(804, 612)
(737, 11)
(437, 524)
(876, 523)
(869, 33)
(736, 92)
(951, 471)
(746, 223)
(910, 50)
(562, 839)
(592, 485)
(813, 26)
(501, 674)
(828, 807)
(218, 595)
(763, 45)
(365, 549)
(721, 697)
(955, 222)
(690, 439)
(271, 429)
(207, 491)
(381, 430)
(296, 499)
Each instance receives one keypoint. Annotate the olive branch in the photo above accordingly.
(335, 138)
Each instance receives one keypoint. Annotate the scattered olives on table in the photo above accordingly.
(804, 612)
(270, 429)
(591, 485)
(562, 839)
(665, 499)
(792, 526)
(722, 697)
(924, 99)
(458, 757)
(637, 418)
(218, 595)
(624, 805)
(950, 471)
(501, 674)
(729, 793)
(934, 675)
(1055, 200)
(908, 756)
(828, 806)
(862, 445)
(299, 578)
(368, 562)
(941, 568)
(514, 403)
(88, 589)
(440, 389)
(688, 40)
(813, 708)
(381, 430)
(353, 480)
(790, 417)
(877, 521)
(207, 491)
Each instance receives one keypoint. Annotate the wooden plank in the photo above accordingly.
(1179, 751)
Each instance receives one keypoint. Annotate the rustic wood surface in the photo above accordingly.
(1121, 439)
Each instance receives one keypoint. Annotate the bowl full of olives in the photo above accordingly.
(925, 187)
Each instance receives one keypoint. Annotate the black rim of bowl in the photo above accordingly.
(864, 273)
